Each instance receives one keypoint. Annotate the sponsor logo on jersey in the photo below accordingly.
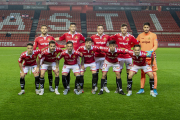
(120, 38)
(100, 42)
(44, 43)
(96, 38)
(146, 42)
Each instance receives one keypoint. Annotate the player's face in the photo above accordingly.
(100, 30)
(112, 47)
(146, 28)
(44, 30)
(69, 47)
(52, 47)
(72, 28)
(124, 30)
(88, 44)
(30, 49)
(137, 51)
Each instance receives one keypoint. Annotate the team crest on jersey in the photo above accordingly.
(74, 56)
(92, 52)
(76, 37)
(34, 56)
(104, 38)
(48, 38)
(116, 55)
(140, 58)
(149, 38)
(127, 39)
(55, 53)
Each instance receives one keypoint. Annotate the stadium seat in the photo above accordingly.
(58, 21)
(111, 20)
(160, 21)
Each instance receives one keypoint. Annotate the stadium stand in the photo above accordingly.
(160, 21)
(178, 14)
(19, 27)
(58, 22)
(111, 20)
(156, 1)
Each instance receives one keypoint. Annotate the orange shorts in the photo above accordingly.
(154, 67)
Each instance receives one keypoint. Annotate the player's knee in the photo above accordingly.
(130, 76)
(82, 73)
(103, 75)
(118, 75)
(151, 76)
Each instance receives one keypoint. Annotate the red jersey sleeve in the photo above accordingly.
(63, 37)
(61, 46)
(130, 52)
(113, 37)
(60, 56)
(42, 55)
(35, 44)
(133, 41)
(96, 49)
(20, 60)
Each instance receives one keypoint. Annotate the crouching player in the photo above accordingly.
(139, 62)
(48, 57)
(88, 60)
(29, 63)
(70, 63)
(111, 61)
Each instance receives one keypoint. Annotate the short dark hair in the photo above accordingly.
(112, 42)
(30, 44)
(69, 42)
(100, 25)
(52, 42)
(44, 25)
(88, 39)
(146, 23)
(137, 45)
(123, 25)
(73, 23)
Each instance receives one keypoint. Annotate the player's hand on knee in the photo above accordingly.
(56, 70)
(22, 75)
(37, 70)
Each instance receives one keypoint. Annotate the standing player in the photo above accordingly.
(139, 62)
(75, 37)
(48, 56)
(88, 52)
(148, 42)
(100, 39)
(29, 63)
(42, 42)
(111, 61)
(124, 40)
(70, 63)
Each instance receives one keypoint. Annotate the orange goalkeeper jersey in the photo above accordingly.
(148, 41)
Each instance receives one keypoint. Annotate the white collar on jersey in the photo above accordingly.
(124, 36)
(42, 36)
(72, 34)
(115, 50)
(29, 55)
(49, 50)
(86, 49)
(68, 53)
(100, 36)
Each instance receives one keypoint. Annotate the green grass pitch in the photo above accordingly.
(109, 106)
